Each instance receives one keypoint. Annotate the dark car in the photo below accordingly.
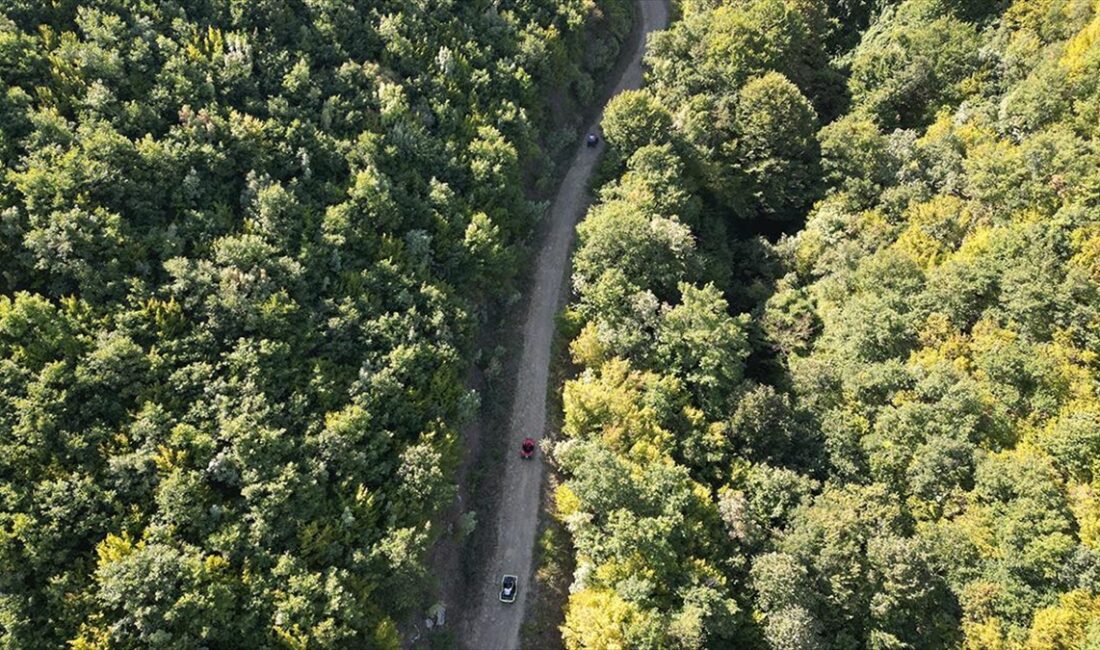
(508, 588)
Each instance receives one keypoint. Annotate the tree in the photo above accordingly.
(597, 619)
(156, 595)
(699, 341)
(634, 119)
(757, 505)
(856, 158)
(775, 148)
(653, 251)
(1073, 441)
(896, 449)
(622, 407)
(939, 475)
(791, 321)
(852, 568)
(656, 181)
(244, 251)
(911, 62)
(1073, 622)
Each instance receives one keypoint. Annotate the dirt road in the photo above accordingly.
(496, 625)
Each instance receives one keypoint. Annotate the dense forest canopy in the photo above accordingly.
(880, 430)
(243, 246)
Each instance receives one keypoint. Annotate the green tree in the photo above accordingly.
(775, 148)
(654, 252)
(634, 119)
(913, 61)
(700, 342)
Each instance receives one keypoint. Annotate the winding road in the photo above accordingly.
(495, 626)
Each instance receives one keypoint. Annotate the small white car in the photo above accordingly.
(509, 585)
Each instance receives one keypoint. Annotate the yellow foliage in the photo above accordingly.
(21, 524)
(987, 337)
(91, 637)
(566, 500)
(973, 84)
(115, 548)
(1080, 50)
(976, 524)
(292, 639)
(1085, 504)
(167, 458)
(167, 314)
(1086, 244)
(936, 331)
(215, 564)
(810, 245)
(206, 46)
(1029, 217)
(586, 350)
(976, 244)
(644, 453)
(245, 126)
(945, 132)
(940, 341)
(597, 620)
(1035, 14)
(634, 566)
(701, 493)
(1064, 626)
(385, 635)
(609, 404)
(873, 226)
(942, 130)
(970, 135)
(986, 635)
(1073, 379)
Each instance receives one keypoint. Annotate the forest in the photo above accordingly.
(244, 250)
(836, 333)
(834, 325)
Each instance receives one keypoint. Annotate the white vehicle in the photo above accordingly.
(509, 585)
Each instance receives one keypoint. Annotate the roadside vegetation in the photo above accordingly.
(243, 251)
(838, 317)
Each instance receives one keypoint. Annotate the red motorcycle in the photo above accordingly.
(527, 448)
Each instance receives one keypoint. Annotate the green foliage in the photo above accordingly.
(727, 45)
(907, 455)
(913, 60)
(244, 246)
(856, 157)
(634, 119)
(980, 423)
(652, 251)
(729, 86)
(698, 341)
(776, 149)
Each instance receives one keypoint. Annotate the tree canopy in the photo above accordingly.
(876, 425)
(244, 247)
